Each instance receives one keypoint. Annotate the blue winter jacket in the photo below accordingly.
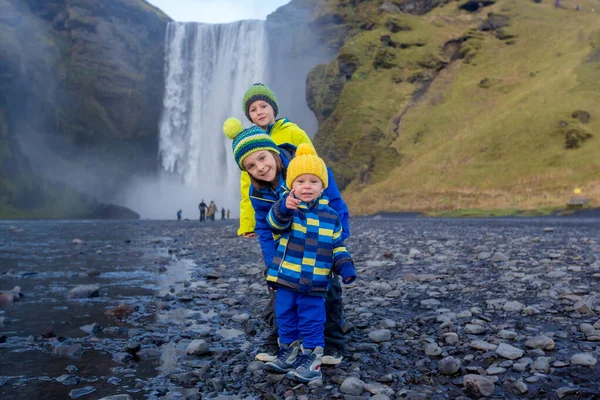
(263, 199)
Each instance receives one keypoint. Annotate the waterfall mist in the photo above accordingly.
(208, 67)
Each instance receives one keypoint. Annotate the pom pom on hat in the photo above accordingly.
(306, 161)
(232, 127)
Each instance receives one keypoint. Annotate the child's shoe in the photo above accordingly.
(308, 366)
(285, 358)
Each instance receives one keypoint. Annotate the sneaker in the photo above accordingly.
(308, 366)
(286, 358)
(331, 357)
(267, 353)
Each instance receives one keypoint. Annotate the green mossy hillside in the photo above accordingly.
(494, 108)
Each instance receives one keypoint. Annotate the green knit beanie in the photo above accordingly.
(258, 91)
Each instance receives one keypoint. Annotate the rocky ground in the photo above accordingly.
(442, 309)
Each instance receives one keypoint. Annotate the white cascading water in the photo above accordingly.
(208, 67)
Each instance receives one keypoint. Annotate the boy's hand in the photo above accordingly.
(291, 202)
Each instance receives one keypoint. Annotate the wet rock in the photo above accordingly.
(84, 291)
(121, 357)
(132, 347)
(117, 397)
(68, 350)
(10, 296)
(68, 379)
(92, 329)
(77, 393)
(121, 311)
(198, 347)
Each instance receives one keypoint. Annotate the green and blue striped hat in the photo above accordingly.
(247, 141)
(258, 91)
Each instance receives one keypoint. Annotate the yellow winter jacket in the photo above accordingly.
(282, 131)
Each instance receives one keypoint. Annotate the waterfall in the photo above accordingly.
(208, 67)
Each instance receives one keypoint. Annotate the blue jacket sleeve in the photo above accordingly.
(262, 229)
(342, 261)
(280, 217)
(337, 203)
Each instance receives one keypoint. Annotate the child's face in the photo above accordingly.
(307, 187)
(261, 113)
(261, 165)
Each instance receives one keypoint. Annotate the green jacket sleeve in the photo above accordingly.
(247, 221)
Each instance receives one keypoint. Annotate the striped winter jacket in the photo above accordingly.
(310, 245)
(263, 199)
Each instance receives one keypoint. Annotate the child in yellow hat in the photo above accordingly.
(310, 247)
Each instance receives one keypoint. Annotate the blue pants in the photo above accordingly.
(300, 315)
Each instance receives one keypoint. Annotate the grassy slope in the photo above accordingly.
(464, 146)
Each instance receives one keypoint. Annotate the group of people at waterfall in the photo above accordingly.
(207, 212)
(291, 203)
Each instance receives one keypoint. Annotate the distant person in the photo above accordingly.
(202, 207)
(212, 210)
(261, 108)
(228, 213)
(179, 212)
(223, 213)
(310, 249)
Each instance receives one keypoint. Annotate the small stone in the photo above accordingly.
(380, 335)
(449, 365)
(508, 351)
(499, 257)
(198, 347)
(505, 334)
(479, 385)
(474, 329)
(352, 386)
(482, 345)
(585, 359)
(511, 306)
(540, 342)
(432, 349)
(450, 338)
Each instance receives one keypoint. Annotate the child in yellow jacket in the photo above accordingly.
(261, 108)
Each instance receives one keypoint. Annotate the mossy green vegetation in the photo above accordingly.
(482, 128)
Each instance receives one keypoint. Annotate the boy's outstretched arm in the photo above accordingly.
(280, 216)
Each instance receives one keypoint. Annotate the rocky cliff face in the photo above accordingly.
(81, 86)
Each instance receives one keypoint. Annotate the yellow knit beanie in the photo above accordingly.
(306, 161)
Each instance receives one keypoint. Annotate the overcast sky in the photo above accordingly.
(217, 11)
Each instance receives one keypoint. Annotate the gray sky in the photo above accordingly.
(217, 11)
